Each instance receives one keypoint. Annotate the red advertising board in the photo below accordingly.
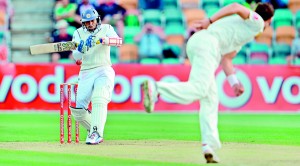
(36, 87)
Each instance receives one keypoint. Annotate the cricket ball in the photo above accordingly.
(78, 62)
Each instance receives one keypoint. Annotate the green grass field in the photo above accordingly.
(16, 128)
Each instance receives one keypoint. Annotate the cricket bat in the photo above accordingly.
(54, 47)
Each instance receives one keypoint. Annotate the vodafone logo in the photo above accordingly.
(279, 88)
(34, 88)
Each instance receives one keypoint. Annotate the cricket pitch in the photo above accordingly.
(171, 151)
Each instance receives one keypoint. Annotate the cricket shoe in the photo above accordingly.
(94, 138)
(150, 96)
(211, 157)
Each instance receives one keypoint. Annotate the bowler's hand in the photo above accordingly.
(238, 89)
(201, 24)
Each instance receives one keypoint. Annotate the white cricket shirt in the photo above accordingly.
(233, 32)
(99, 55)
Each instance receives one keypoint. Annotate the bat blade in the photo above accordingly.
(53, 47)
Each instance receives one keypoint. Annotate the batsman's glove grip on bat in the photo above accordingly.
(81, 47)
(90, 41)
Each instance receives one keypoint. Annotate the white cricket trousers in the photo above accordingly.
(204, 55)
(96, 85)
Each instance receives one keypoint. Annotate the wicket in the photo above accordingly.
(69, 121)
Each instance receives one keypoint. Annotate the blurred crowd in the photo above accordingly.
(5, 14)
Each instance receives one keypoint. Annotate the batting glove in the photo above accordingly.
(90, 41)
(81, 47)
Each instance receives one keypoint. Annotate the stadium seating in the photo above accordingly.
(211, 11)
(114, 54)
(171, 61)
(174, 21)
(297, 61)
(1, 36)
(282, 17)
(207, 5)
(266, 36)
(114, 60)
(227, 2)
(170, 4)
(175, 40)
(242, 56)
(259, 53)
(128, 4)
(131, 20)
(244, 51)
(128, 53)
(285, 34)
(238, 60)
(278, 60)
(173, 49)
(193, 14)
(297, 19)
(175, 30)
(178, 15)
(152, 16)
(281, 49)
(258, 58)
(189, 4)
(294, 5)
(129, 34)
(150, 60)
(173, 16)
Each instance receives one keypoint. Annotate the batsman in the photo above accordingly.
(96, 76)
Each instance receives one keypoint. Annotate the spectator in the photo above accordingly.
(150, 4)
(84, 5)
(66, 10)
(98, 2)
(113, 14)
(5, 9)
(252, 3)
(150, 40)
(61, 36)
(3, 53)
(132, 18)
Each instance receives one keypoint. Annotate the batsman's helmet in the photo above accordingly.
(89, 14)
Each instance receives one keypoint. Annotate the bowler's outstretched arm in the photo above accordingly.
(228, 69)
